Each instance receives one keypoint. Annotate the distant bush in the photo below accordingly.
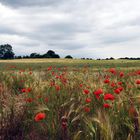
(50, 54)
(69, 57)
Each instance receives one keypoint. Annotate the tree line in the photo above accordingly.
(6, 52)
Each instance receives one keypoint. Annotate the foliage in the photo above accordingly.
(69, 57)
(6, 52)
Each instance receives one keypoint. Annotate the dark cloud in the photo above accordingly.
(26, 3)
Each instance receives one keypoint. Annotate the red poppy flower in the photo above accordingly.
(117, 91)
(138, 72)
(23, 90)
(53, 73)
(98, 92)
(86, 91)
(57, 76)
(97, 97)
(106, 81)
(81, 85)
(120, 88)
(112, 70)
(28, 89)
(113, 84)
(49, 68)
(107, 106)
(138, 82)
(109, 96)
(64, 125)
(87, 109)
(40, 116)
(121, 74)
(30, 72)
(29, 100)
(46, 99)
(57, 87)
(119, 83)
(88, 100)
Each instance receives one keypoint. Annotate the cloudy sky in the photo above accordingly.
(82, 28)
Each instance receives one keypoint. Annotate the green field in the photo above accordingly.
(65, 99)
(41, 64)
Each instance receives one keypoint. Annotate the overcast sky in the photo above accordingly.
(82, 28)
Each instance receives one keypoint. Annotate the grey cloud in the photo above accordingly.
(22, 3)
(6, 31)
(92, 27)
(116, 39)
(67, 45)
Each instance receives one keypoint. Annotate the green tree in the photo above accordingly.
(69, 57)
(35, 55)
(51, 54)
(6, 52)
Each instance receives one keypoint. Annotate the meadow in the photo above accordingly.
(67, 99)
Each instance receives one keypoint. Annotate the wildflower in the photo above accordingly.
(30, 72)
(29, 100)
(88, 100)
(87, 109)
(64, 122)
(132, 111)
(53, 73)
(97, 97)
(106, 106)
(46, 99)
(98, 92)
(23, 90)
(121, 74)
(119, 83)
(57, 87)
(49, 68)
(112, 70)
(64, 125)
(106, 81)
(40, 116)
(120, 88)
(57, 76)
(117, 91)
(138, 72)
(113, 84)
(81, 85)
(86, 91)
(138, 81)
(109, 96)
(28, 89)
